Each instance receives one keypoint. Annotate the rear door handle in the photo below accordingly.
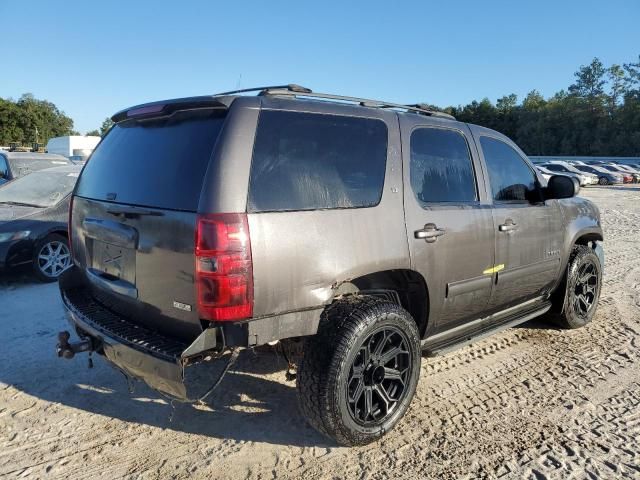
(508, 226)
(429, 233)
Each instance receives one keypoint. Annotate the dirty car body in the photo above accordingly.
(286, 204)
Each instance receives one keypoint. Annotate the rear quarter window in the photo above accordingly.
(156, 162)
(305, 161)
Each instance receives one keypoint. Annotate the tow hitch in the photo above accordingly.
(66, 349)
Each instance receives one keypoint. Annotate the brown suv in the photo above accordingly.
(357, 233)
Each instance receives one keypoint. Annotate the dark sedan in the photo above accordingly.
(18, 164)
(33, 221)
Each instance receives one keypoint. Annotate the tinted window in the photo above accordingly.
(441, 169)
(556, 168)
(305, 161)
(156, 163)
(511, 178)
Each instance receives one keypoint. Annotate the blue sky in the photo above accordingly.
(94, 58)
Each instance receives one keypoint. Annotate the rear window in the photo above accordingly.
(156, 163)
(305, 161)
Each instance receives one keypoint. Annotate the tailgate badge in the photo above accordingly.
(182, 306)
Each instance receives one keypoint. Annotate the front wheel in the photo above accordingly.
(603, 181)
(51, 257)
(360, 371)
(580, 297)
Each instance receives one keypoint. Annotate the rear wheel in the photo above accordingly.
(51, 257)
(360, 371)
(603, 181)
(582, 289)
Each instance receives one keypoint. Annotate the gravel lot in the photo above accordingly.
(529, 402)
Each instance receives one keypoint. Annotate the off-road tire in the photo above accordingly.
(330, 358)
(52, 239)
(566, 311)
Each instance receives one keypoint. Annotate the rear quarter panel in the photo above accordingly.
(301, 258)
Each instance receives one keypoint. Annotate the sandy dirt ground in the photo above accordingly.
(530, 402)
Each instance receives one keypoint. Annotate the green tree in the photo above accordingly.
(106, 125)
(29, 119)
(95, 133)
(616, 76)
(590, 80)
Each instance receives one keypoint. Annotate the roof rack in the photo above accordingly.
(290, 87)
(294, 90)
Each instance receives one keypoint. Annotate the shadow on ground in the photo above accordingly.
(253, 402)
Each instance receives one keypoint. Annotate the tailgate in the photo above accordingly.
(134, 217)
(139, 262)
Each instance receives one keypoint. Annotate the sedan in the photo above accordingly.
(34, 211)
(18, 164)
(605, 177)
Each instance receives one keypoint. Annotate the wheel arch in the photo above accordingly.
(586, 236)
(410, 286)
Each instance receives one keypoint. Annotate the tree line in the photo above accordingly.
(29, 120)
(599, 114)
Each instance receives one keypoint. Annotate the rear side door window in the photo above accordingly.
(308, 161)
(511, 178)
(441, 170)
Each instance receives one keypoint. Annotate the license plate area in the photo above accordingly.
(114, 261)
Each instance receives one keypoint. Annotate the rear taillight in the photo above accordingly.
(224, 273)
(69, 227)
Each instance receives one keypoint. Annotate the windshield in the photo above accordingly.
(38, 189)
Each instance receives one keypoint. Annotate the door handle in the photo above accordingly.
(429, 233)
(508, 226)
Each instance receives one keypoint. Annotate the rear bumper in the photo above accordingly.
(180, 370)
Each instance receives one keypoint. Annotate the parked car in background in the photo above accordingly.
(547, 174)
(584, 178)
(78, 159)
(358, 233)
(624, 170)
(605, 177)
(18, 164)
(34, 211)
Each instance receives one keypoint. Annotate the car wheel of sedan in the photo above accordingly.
(603, 181)
(51, 257)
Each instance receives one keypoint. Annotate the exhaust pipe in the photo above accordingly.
(68, 350)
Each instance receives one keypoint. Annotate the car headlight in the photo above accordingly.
(13, 236)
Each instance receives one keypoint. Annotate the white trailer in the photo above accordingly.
(72, 145)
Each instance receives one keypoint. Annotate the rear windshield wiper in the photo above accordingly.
(131, 211)
(22, 204)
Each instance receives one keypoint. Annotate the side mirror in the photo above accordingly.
(561, 186)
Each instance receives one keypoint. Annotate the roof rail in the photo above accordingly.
(294, 90)
(292, 87)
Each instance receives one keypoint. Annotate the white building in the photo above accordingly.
(72, 145)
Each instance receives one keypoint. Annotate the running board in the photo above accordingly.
(434, 349)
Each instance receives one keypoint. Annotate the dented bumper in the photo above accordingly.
(181, 370)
